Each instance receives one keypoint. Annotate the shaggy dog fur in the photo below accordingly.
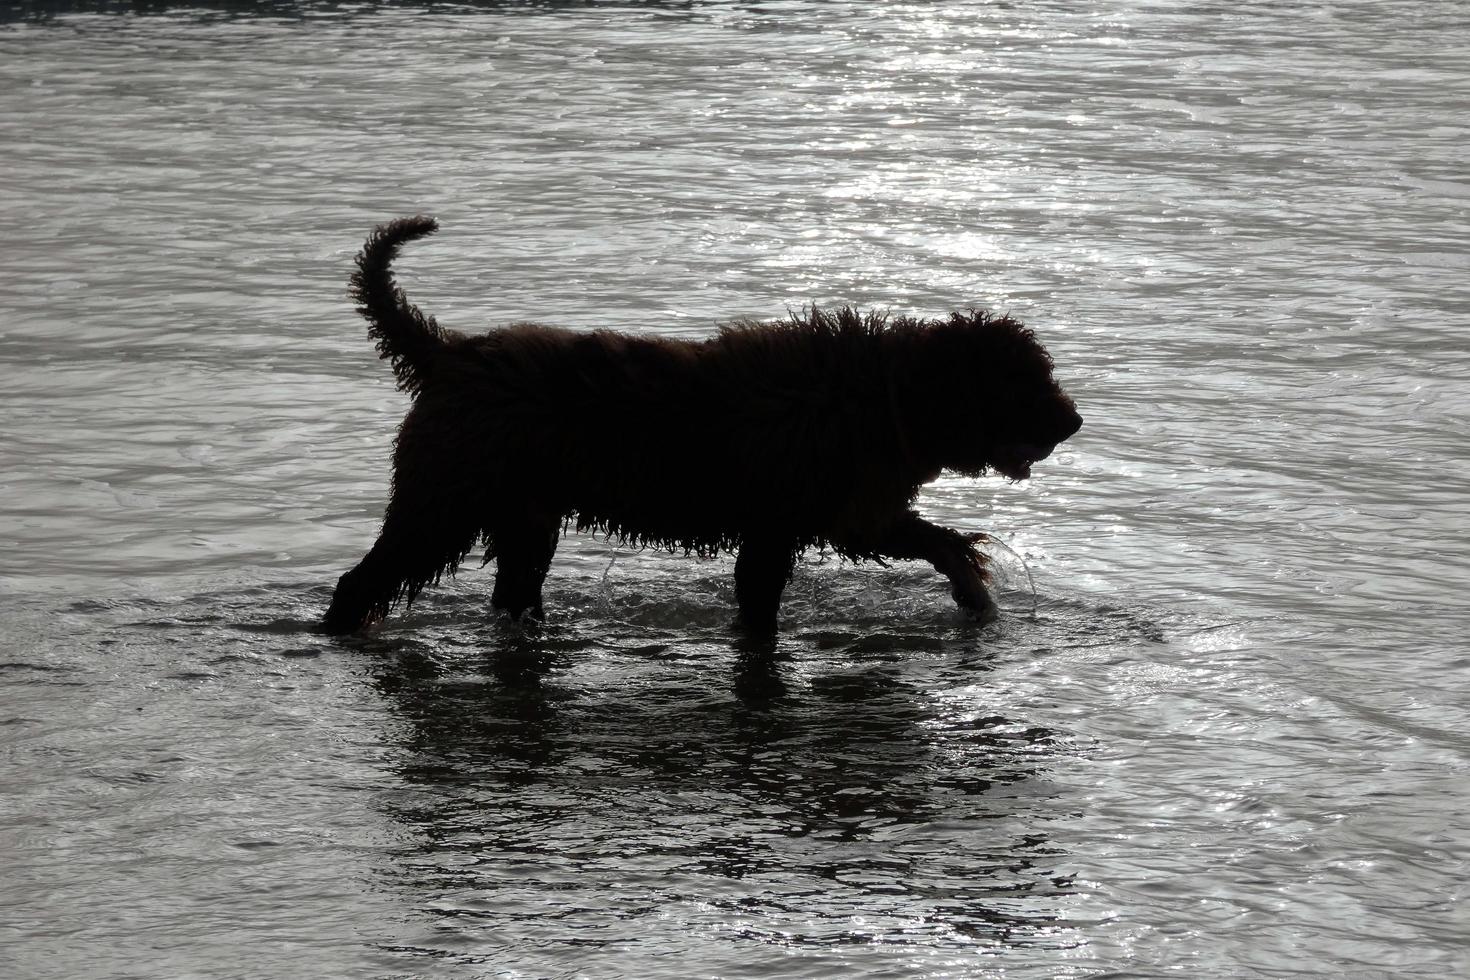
(764, 440)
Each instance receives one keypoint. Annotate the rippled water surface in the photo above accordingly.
(1221, 732)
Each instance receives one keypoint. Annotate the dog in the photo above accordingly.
(764, 440)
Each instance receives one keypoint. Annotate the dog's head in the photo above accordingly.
(997, 405)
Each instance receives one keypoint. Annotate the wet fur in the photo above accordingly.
(764, 440)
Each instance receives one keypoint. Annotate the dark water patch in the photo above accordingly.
(213, 11)
(40, 668)
(122, 779)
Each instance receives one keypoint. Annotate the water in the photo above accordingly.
(1231, 740)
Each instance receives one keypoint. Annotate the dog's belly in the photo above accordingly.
(702, 506)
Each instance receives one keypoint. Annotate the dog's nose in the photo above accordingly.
(1071, 422)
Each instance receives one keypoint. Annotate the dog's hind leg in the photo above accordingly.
(523, 552)
(762, 568)
(951, 553)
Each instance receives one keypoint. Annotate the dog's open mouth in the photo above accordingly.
(1014, 461)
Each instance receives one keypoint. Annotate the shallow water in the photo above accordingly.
(1225, 734)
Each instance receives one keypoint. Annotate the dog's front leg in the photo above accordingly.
(951, 553)
(523, 552)
(762, 569)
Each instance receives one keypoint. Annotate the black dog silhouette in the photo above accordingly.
(763, 440)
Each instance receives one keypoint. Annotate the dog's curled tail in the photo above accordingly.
(406, 336)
